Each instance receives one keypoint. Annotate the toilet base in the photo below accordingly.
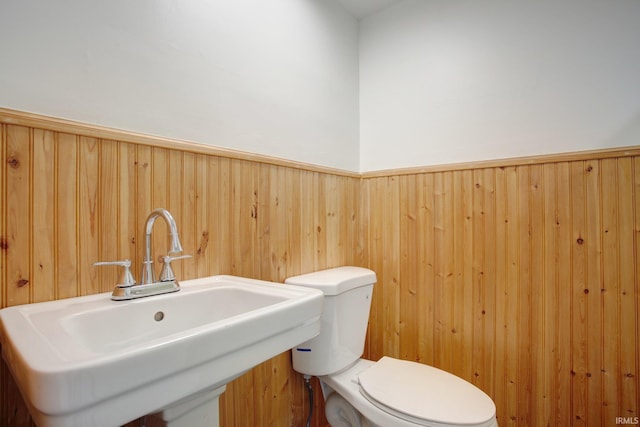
(345, 385)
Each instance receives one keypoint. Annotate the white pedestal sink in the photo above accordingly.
(91, 361)
(197, 410)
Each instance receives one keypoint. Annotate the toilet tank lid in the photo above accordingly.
(335, 281)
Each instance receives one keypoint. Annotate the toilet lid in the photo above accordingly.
(421, 393)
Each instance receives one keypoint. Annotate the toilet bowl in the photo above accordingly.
(386, 393)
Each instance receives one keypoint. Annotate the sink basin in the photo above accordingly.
(93, 361)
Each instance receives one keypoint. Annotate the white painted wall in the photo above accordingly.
(464, 80)
(277, 77)
(439, 81)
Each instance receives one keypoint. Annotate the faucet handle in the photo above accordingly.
(167, 274)
(127, 278)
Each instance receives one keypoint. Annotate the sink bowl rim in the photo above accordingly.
(199, 285)
(45, 376)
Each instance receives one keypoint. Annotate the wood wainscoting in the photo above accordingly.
(72, 198)
(520, 275)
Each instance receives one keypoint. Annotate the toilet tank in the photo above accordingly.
(343, 324)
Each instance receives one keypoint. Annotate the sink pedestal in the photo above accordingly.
(201, 409)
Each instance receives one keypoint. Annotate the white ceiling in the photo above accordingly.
(362, 8)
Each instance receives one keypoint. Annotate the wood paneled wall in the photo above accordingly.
(69, 200)
(521, 279)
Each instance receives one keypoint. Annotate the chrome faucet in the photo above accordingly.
(148, 285)
(147, 264)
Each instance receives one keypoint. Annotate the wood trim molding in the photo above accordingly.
(69, 126)
(39, 121)
(605, 153)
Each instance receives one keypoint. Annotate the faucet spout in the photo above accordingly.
(147, 266)
(128, 289)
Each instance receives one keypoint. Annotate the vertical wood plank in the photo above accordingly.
(426, 272)
(450, 351)
(264, 395)
(109, 233)
(239, 244)
(540, 404)
(253, 200)
(321, 190)
(144, 204)
(88, 215)
(628, 292)
(594, 280)
(391, 273)
(250, 186)
(186, 216)
(43, 208)
(376, 220)
(66, 204)
(563, 295)
(175, 190)
(548, 381)
(292, 202)
(363, 234)
(207, 246)
(443, 285)
(525, 283)
(128, 247)
(201, 216)
(468, 272)
(502, 291)
(369, 232)
(512, 258)
(280, 393)
(408, 281)
(158, 188)
(307, 225)
(18, 213)
(479, 290)
(264, 221)
(636, 279)
(332, 226)
(4, 242)
(294, 258)
(579, 302)
(244, 411)
(441, 347)
(279, 213)
(610, 290)
(224, 238)
(277, 221)
(489, 281)
(357, 241)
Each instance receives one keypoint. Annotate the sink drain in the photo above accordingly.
(158, 316)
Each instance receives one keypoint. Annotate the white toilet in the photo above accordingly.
(387, 393)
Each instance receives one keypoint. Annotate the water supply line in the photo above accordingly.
(307, 381)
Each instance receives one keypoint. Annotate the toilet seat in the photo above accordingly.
(425, 395)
